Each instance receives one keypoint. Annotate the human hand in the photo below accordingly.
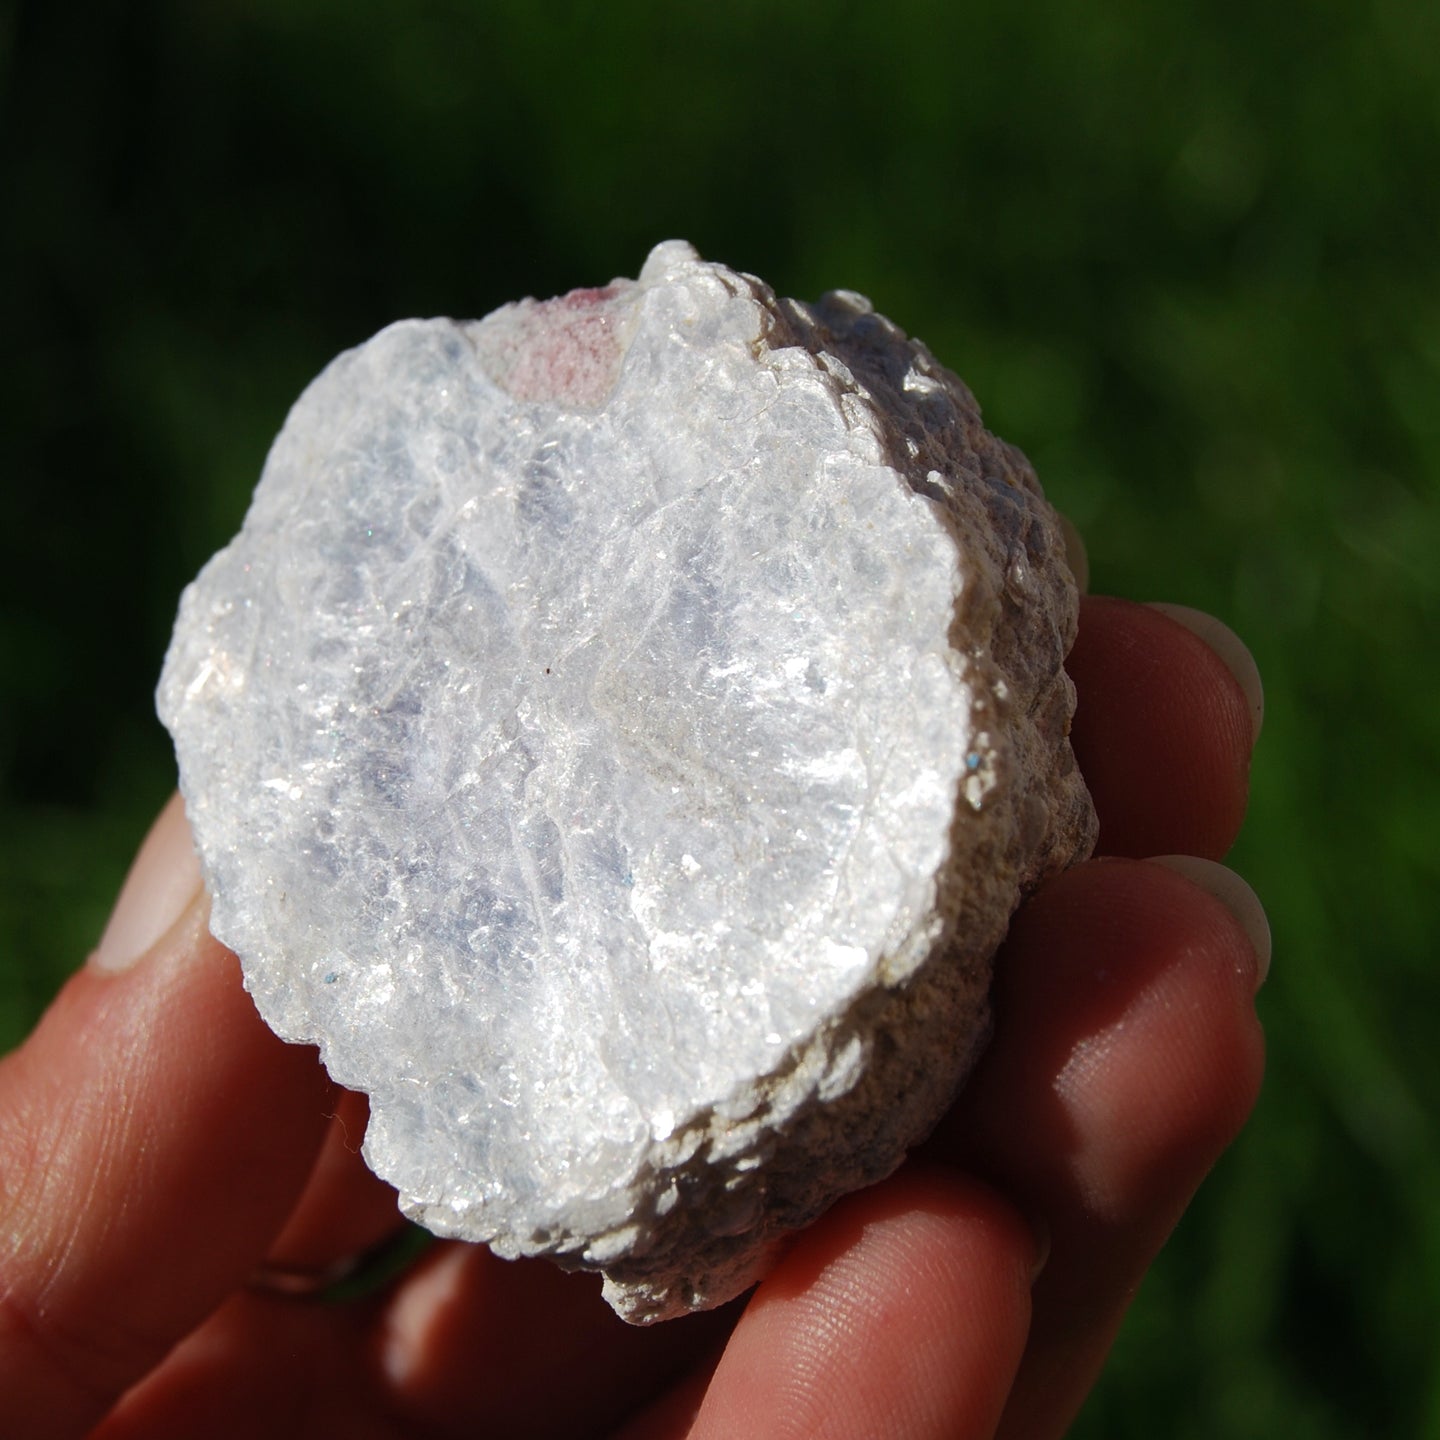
(166, 1164)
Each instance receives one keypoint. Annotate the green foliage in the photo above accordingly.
(1185, 255)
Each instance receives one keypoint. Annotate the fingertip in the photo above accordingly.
(469, 1339)
(1230, 648)
(1163, 732)
(163, 881)
(1235, 894)
(345, 1211)
(1127, 1053)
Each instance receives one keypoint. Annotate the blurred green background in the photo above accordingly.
(1187, 256)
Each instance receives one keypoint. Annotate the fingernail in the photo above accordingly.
(162, 882)
(1229, 647)
(1234, 894)
(1076, 554)
(419, 1310)
(1040, 1229)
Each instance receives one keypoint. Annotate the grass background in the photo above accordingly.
(1188, 257)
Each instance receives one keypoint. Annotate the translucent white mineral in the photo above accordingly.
(618, 738)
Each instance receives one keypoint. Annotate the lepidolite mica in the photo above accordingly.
(618, 738)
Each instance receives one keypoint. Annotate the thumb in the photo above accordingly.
(153, 1137)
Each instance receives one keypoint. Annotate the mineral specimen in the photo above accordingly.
(618, 738)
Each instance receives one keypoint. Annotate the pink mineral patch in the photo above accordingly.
(567, 351)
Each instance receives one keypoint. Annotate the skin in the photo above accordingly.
(158, 1147)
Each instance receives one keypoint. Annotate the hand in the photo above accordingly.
(166, 1164)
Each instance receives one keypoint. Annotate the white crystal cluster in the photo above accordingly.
(618, 738)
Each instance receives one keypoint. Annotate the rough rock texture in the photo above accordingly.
(618, 738)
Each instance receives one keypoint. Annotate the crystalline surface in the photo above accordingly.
(618, 737)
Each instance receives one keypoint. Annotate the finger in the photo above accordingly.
(345, 1211)
(525, 1349)
(260, 1366)
(153, 1136)
(1163, 729)
(1127, 1055)
(903, 1313)
(673, 1414)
